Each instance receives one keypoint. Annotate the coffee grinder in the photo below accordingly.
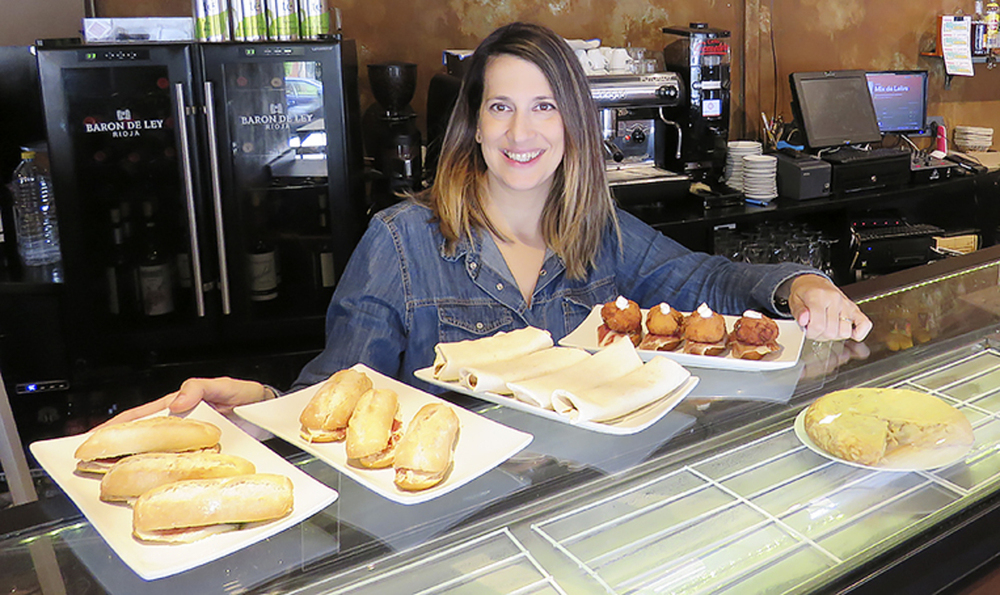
(396, 150)
(701, 56)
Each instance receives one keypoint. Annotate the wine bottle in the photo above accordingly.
(183, 253)
(156, 278)
(262, 258)
(128, 231)
(324, 269)
(119, 272)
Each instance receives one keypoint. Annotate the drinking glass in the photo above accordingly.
(756, 252)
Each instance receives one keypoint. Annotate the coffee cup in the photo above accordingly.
(581, 55)
(621, 61)
(598, 63)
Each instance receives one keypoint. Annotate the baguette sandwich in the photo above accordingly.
(424, 455)
(325, 417)
(188, 510)
(374, 430)
(133, 476)
(106, 446)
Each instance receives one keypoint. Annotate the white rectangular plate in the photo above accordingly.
(636, 421)
(482, 443)
(790, 337)
(153, 561)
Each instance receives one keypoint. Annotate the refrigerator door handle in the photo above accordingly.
(213, 160)
(180, 116)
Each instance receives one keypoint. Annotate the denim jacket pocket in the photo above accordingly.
(576, 307)
(459, 321)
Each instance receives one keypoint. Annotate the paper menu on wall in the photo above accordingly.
(956, 45)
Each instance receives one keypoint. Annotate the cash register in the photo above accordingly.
(838, 119)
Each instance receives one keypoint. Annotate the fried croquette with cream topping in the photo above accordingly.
(664, 320)
(621, 317)
(755, 330)
(705, 332)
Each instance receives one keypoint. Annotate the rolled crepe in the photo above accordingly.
(494, 377)
(609, 400)
(614, 361)
(450, 358)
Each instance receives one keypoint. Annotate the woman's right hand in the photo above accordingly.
(221, 393)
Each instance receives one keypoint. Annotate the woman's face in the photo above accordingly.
(520, 128)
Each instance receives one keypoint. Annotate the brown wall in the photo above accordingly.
(24, 21)
(808, 35)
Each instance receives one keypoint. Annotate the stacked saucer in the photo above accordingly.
(737, 149)
(760, 178)
(973, 138)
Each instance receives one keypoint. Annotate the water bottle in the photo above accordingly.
(34, 214)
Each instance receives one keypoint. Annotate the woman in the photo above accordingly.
(520, 229)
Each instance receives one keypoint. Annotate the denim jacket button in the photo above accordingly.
(499, 286)
(473, 265)
(479, 326)
(541, 273)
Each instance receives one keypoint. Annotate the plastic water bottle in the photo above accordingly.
(35, 214)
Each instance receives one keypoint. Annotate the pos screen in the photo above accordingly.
(834, 108)
(900, 98)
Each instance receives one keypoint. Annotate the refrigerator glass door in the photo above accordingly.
(127, 189)
(279, 122)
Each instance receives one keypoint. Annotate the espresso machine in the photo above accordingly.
(701, 56)
(395, 143)
(634, 124)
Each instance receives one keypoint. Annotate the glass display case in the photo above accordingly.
(719, 496)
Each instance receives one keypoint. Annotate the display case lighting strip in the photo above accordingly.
(927, 283)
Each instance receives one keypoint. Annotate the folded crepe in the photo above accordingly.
(493, 377)
(610, 400)
(450, 358)
(614, 361)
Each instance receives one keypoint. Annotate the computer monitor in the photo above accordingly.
(900, 99)
(834, 108)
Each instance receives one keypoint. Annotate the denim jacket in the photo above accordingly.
(400, 294)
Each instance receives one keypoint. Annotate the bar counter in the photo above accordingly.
(719, 496)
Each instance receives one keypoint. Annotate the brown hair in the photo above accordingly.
(579, 206)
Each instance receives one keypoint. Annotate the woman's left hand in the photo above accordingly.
(824, 311)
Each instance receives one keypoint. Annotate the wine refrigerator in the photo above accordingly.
(208, 195)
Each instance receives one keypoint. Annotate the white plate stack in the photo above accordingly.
(973, 138)
(737, 149)
(760, 178)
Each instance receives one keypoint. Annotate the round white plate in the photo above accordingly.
(906, 461)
